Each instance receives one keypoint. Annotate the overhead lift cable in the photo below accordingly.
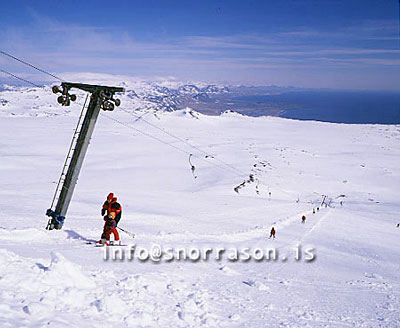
(207, 155)
(30, 65)
(129, 126)
(238, 172)
(19, 78)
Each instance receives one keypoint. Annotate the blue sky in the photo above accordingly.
(306, 43)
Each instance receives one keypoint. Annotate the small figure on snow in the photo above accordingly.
(398, 225)
(272, 233)
(251, 178)
(303, 219)
(110, 227)
(112, 215)
(192, 167)
(313, 211)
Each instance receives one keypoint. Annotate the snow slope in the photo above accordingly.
(56, 279)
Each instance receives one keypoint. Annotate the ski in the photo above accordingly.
(111, 245)
(96, 244)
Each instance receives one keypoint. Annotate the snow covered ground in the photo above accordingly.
(56, 279)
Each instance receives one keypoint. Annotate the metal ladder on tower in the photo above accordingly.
(69, 155)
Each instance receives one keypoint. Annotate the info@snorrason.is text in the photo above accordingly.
(158, 253)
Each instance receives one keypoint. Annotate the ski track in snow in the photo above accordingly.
(55, 279)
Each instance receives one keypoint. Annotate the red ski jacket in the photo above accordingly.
(112, 207)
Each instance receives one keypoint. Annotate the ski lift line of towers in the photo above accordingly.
(234, 169)
(207, 155)
(193, 168)
(101, 97)
(222, 164)
(66, 101)
(237, 172)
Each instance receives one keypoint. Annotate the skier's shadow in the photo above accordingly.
(74, 235)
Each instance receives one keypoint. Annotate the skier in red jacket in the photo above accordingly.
(303, 219)
(111, 205)
(112, 214)
(272, 233)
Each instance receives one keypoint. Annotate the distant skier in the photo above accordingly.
(313, 211)
(251, 178)
(113, 211)
(192, 167)
(398, 225)
(303, 219)
(272, 234)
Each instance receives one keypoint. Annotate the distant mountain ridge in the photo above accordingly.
(210, 99)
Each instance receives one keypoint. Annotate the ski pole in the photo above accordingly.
(130, 234)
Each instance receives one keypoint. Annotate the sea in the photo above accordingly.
(353, 107)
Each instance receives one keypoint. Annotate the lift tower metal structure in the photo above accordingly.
(101, 97)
